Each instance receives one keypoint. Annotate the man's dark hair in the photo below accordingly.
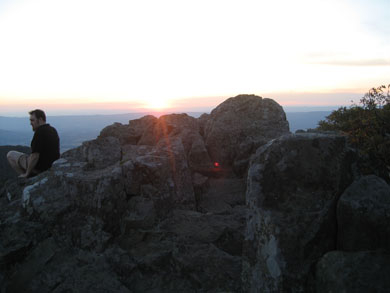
(39, 114)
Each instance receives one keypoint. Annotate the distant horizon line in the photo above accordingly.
(102, 112)
(291, 101)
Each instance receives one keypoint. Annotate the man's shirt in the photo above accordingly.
(47, 143)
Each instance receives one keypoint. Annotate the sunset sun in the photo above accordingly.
(157, 103)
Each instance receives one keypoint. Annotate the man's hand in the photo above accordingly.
(31, 163)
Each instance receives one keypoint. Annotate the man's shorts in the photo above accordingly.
(22, 161)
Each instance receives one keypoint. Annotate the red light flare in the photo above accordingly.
(216, 164)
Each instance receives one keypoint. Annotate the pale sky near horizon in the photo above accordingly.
(90, 55)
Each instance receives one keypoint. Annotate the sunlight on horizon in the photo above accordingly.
(154, 54)
(157, 104)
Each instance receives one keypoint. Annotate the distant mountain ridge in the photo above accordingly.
(9, 137)
(305, 120)
(75, 129)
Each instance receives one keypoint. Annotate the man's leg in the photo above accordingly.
(18, 161)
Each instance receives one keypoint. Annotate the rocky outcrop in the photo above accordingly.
(364, 271)
(238, 126)
(304, 213)
(363, 214)
(144, 208)
(362, 262)
(293, 186)
(139, 209)
(130, 133)
(127, 224)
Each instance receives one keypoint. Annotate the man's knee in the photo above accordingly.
(13, 157)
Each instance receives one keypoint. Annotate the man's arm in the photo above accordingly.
(31, 163)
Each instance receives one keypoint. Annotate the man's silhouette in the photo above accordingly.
(45, 148)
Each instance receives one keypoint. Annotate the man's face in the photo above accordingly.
(35, 123)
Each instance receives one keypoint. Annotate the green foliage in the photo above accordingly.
(367, 125)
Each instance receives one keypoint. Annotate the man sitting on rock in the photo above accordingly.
(45, 148)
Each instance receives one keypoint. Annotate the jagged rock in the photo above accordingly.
(202, 120)
(138, 208)
(142, 125)
(238, 126)
(198, 157)
(166, 131)
(170, 125)
(143, 208)
(12, 189)
(124, 133)
(101, 152)
(190, 251)
(363, 214)
(293, 185)
(141, 214)
(161, 169)
(223, 195)
(178, 164)
(51, 268)
(33, 264)
(91, 208)
(364, 271)
(148, 173)
(187, 129)
(130, 133)
(18, 236)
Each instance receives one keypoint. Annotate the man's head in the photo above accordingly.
(37, 118)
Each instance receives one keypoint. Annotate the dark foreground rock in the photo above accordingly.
(293, 186)
(238, 126)
(353, 272)
(128, 227)
(363, 214)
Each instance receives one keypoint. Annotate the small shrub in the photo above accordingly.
(367, 126)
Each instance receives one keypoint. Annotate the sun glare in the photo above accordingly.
(157, 104)
(168, 56)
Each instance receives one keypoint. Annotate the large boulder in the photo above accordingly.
(130, 133)
(293, 185)
(363, 214)
(365, 271)
(238, 126)
(101, 152)
(160, 171)
(122, 132)
(168, 126)
(168, 129)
